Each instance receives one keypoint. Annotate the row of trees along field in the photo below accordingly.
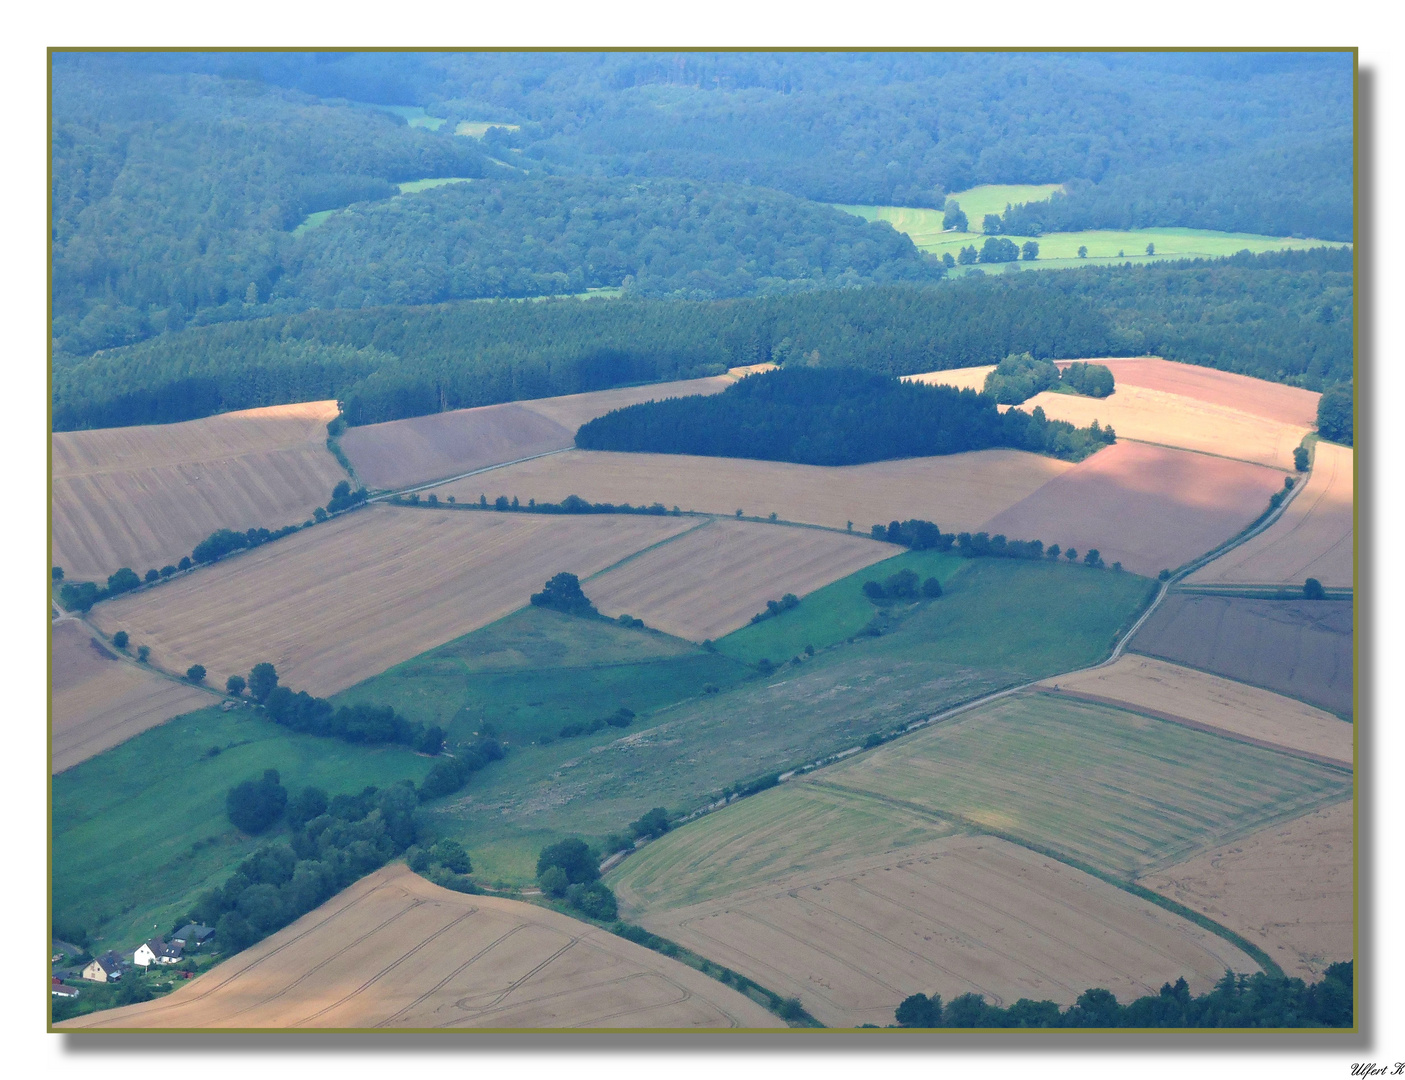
(1237, 1001)
(1285, 317)
(1147, 132)
(839, 416)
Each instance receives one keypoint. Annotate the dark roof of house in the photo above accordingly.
(110, 961)
(193, 932)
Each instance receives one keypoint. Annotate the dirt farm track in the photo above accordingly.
(396, 951)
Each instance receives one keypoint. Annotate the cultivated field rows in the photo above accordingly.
(1313, 538)
(395, 951)
(97, 701)
(143, 497)
(1141, 682)
(1288, 889)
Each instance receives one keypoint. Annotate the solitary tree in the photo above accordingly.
(563, 593)
(120, 639)
(195, 674)
(954, 218)
(1071, 555)
(143, 653)
(262, 679)
(1082, 252)
(931, 588)
(1313, 590)
(234, 685)
(1151, 249)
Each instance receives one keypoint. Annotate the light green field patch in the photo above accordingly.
(141, 830)
(415, 116)
(476, 129)
(787, 830)
(312, 221)
(1113, 789)
(832, 614)
(410, 186)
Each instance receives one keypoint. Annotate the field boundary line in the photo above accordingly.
(1197, 725)
(1203, 453)
(652, 547)
(392, 492)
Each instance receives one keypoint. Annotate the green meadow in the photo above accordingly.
(411, 186)
(476, 129)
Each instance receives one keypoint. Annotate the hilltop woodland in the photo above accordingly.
(1019, 377)
(838, 416)
(177, 178)
(1285, 317)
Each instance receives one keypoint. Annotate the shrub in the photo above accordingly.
(195, 674)
(931, 588)
(553, 881)
(143, 653)
(594, 899)
(120, 639)
(1313, 590)
(653, 824)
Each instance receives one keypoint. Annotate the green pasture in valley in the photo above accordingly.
(832, 614)
(476, 129)
(410, 186)
(312, 221)
(1115, 790)
(141, 830)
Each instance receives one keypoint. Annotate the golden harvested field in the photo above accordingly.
(1288, 889)
(396, 951)
(1147, 507)
(960, 914)
(1313, 538)
(713, 579)
(98, 701)
(958, 491)
(401, 453)
(1163, 689)
(969, 378)
(332, 605)
(144, 496)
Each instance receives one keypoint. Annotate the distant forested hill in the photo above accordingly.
(532, 237)
(1285, 317)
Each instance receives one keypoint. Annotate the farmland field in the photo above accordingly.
(1313, 538)
(958, 491)
(1287, 888)
(396, 951)
(409, 187)
(139, 832)
(960, 914)
(1000, 622)
(533, 672)
(399, 453)
(476, 129)
(1120, 792)
(1143, 683)
(1148, 507)
(97, 701)
(714, 578)
(1289, 405)
(970, 378)
(1301, 648)
(145, 496)
(330, 605)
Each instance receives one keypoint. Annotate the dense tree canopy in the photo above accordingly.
(1285, 317)
(842, 416)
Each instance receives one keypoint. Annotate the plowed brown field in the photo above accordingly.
(716, 577)
(961, 914)
(395, 951)
(401, 453)
(1141, 682)
(1288, 889)
(1302, 648)
(1146, 507)
(959, 491)
(144, 496)
(332, 605)
(1313, 538)
(98, 701)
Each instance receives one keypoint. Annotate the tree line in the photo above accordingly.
(824, 416)
(1285, 317)
(1237, 1001)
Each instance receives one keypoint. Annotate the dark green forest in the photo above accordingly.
(177, 178)
(556, 235)
(840, 416)
(1285, 317)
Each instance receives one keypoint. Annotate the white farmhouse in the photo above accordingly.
(156, 951)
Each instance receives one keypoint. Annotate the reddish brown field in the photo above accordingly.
(1288, 889)
(1301, 648)
(401, 453)
(1147, 507)
(144, 496)
(335, 604)
(958, 491)
(1272, 401)
(713, 579)
(98, 701)
(1313, 538)
(394, 951)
